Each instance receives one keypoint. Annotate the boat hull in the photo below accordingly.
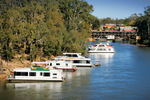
(84, 65)
(67, 69)
(101, 51)
(27, 80)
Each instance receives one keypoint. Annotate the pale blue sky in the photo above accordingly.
(117, 8)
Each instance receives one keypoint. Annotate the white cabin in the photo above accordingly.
(75, 58)
(35, 74)
(67, 66)
(101, 48)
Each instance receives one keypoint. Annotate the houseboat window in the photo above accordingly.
(47, 74)
(76, 61)
(83, 61)
(50, 64)
(87, 61)
(99, 49)
(79, 61)
(54, 73)
(67, 64)
(21, 73)
(17, 73)
(92, 49)
(41, 74)
(75, 56)
(57, 63)
(68, 55)
(32, 74)
(24, 73)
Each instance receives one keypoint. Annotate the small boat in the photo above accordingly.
(75, 58)
(97, 64)
(101, 48)
(35, 74)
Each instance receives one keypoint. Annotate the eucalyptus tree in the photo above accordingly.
(76, 14)
(142, 22)
(43, 27)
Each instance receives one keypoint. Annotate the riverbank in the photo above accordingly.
(90, 39)
(142, 45)
(6, 67)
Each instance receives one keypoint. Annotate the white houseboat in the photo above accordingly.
(101, 48)
(75, 58)
(65, 66)
(35, 74)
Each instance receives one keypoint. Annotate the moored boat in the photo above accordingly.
(35, 74)
(65, 66)
(75, 58)
(101, 48)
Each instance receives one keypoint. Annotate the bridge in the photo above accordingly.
(127, 35)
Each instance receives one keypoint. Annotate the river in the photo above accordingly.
(124, 75)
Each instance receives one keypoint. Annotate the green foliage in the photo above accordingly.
(109, 20)
(43, 27)
(96, 24)
(143, 22)
(146, 42)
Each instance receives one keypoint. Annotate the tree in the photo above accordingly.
(142, 22)
(96, 24)
(43, 27)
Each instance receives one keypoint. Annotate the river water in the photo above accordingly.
(124, 75)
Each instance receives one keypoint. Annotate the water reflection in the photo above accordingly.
(34, 90)
(102, 57)
(55, 86)
(81, 72)
(123, 75)
(78, 80)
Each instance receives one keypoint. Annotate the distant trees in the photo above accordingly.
(43, 27)
(95, 23)
(143, 23)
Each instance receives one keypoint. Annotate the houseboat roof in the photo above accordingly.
(71, 58)
(39, 62)
(51, 61)
(72, 53)
(22, 69)
(32, 69)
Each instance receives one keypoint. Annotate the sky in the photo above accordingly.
(117, 8)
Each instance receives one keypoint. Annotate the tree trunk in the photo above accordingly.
(24, 49)
(31, 58)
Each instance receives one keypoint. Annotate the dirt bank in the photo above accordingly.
(6, 68)
(90, 39)
(142, 45)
